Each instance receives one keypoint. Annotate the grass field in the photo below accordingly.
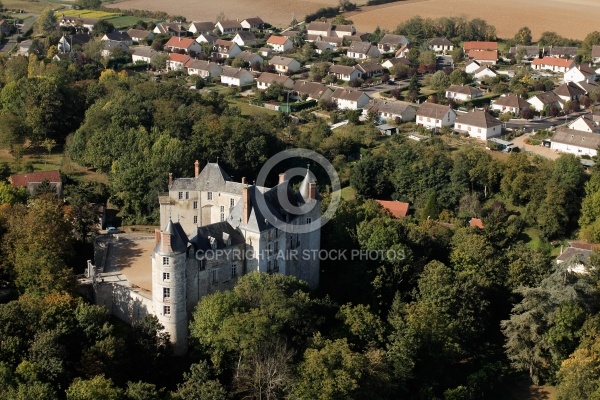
(89, 14)
(126, 21)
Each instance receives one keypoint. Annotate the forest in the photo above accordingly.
(467, 313)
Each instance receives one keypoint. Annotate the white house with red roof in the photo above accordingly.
(552, 64)
(186, 45)
(32, 180)
(176, 61)
(280, 43)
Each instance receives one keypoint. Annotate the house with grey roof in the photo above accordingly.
(343, 30)
(588, 122)
(225, 49)
(575, 142)
(198, 27)
(253, 60)
(311, 90)
(440, 45)
(510, 103)
(369, 69)
(391, 110)
(463, 92)
(478, 124)
(117, 36)
(350, 99)
(362, 50)
(344, 72)
(244, 39)
(266, 79)
(547, 99)
(207, 37)
(284, 64)
(569, 92)
(318, 28)
(236, 76)
(527, 52)
(596, 54)
(390, 42)
(228, 27)
(254, 23)
(433, 116)
(561, 51)
(143, 54)
(205, 69)
(140, 35)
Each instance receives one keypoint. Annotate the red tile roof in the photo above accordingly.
(181, 58)
(558, 62)
(22, 180)
(476, 223)
(483, 55)
(180, 43)
(398, 209)
(277, 40)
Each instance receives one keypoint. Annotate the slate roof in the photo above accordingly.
(268, 77)
(278, 60)
(246, 36)
(22, 180)
(562, 51)
(342, 69)
(144, 51)
(222, 232)
(344, 28)
(432, 110)
(547, 98)
(78, 39)
(469, 90)
(118, 36)
(179, 239)
(212, 178)
(512, 101)
(319, 26)
(369, 66)
(312, 89)
(440, 42)
(254, 21)
(390, 107)
(204, 26)
(248, 56)
(347, 94)
(233, 72)
(231, 24)
(360, 47)
(138, 33)
(393, 40)
(530, 51)
(577, 138)
(399, 61)
(569, 90)
(595, 51)
(480, 119)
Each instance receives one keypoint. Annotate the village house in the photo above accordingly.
(581, 73)
(332, 40)
(389, 43)
(472, 66)
(395, 62)
(207, 37)
(343, 30)
(489, 57)
(561, 51)
(254, 23)
(403, 51)
(369, 69)
(588, 86)
(478, 124)
(228, 27)
(236, 77)
(311, 90)
(397, 209)
(552, 64)
(576, 142)
(117, 36)
(527, 52)
(510, 103)
(265, 52)
(285, 64)
(569, 92)
(317, 28)
(253, 60)
(24, 47)
(143, 54)
(266, 79)
(185, 45)
(225, 49)
(140, 36)
(434, 116)
(109, 47)
(463, 93)
(196, 27)
(173, 29)
(349, 99)
(176, 61)
(596, 54)
(344, 72)
(548, 99)
(32, 180)
(322, 47)
(362, 50)
(441, 45)
(85, 24)
(280, 44)
(204, 69)
(484, 72)
(68, 42)
(588, 123)
(244, 39)
(391, 110)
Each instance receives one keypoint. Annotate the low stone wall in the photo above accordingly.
(126, 303)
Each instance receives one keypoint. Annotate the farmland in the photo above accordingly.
(562, 16)
(88, 14)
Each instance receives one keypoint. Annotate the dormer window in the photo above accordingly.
(209, 195)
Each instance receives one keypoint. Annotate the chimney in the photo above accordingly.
(312, 191)
(165, 242)
(196, 169)
(246, 205)
(282, 177)
(170, 179)
(156, 235)
(243, 180)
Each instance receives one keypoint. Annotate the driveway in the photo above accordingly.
(539, 150)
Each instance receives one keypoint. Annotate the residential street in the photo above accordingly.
(12, 41)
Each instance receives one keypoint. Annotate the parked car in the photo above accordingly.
(111, 229)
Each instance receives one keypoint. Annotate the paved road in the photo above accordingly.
(12, 41)
(544, 123)
(539, 150)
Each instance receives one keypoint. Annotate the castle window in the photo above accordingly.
(195, 205)
(233, 271)
(167, 310)
(180, 195)
(202, 265)
(222, 213)
(231, 202)
(215, 276)
(166, 293)
(187, 195)
(165, 260)
(308, 220)
(269, 266)
(195, 219)
(276, 247)
(166, 276)
(209, 195)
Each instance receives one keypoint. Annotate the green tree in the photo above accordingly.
(457, 54)
(47, 23)
(439, 81)
(91, 389)
(198, 385)
(102, 27)
(89, 4)
(592, 39)
(142, 391)
(523, 36)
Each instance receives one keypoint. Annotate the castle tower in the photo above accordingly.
(310, 241)
(169, 284)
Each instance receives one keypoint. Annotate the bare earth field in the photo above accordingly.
(275, 12)
(570, 18)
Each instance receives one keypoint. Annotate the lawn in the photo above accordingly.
(349, 193)
(89, 14)
(127, 21)
(248, 109)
